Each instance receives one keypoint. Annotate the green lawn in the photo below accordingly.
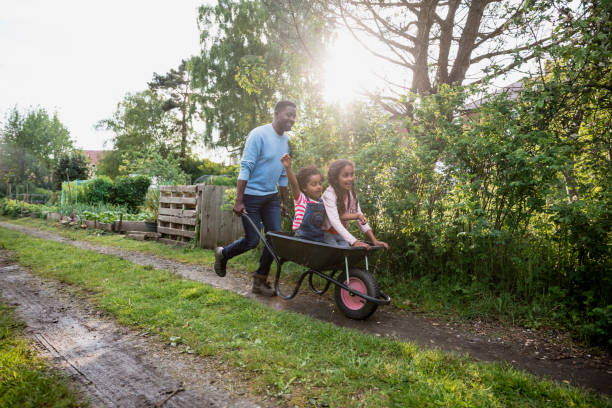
(443, 297)
(25, 379)
(294, 358)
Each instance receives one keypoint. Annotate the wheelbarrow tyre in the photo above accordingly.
(353, 306)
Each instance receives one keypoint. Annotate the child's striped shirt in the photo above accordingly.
(299, 208)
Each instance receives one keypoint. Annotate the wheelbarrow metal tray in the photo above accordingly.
(316, 255)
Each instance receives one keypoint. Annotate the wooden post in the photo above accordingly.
(70, 193)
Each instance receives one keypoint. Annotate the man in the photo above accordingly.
(261, 172)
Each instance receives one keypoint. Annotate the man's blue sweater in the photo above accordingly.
(261, 166)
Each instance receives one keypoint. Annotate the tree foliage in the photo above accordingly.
(30, 145)
(70, 166)
(139, 125)
(509, 197)
(247, 64)
(174, 89)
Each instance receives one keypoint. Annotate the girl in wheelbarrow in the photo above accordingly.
(342, 206)
(327, 220)
(308, 208)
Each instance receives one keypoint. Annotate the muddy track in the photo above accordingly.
(533, 352)
(114, 366)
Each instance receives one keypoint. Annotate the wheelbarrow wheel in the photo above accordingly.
(354, 306)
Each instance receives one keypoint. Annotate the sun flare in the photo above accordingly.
(349, 70)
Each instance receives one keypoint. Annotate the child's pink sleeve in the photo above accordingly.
(331, 211)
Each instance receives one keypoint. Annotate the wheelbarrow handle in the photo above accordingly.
(261, 236)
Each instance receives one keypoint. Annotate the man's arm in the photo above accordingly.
(239, 203)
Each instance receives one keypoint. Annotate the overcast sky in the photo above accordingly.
(80, 58)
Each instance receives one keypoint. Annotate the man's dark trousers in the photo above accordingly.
(260, 209)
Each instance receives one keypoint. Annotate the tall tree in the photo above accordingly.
(447, 42)
(31, 144)
(70, 166)
(246, 64)
(174, 88)
(140, 124)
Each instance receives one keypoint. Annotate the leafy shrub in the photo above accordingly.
(130, 191)
(89, 215)
(600, 327)
(98, 190)
(151, 204)
(222, 180)
(10, 208)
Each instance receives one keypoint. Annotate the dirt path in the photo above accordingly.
(539, 353)
(114, 366)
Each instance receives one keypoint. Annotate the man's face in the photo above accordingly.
(285, 118)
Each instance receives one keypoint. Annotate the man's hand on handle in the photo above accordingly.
(283, 209)
(239, 204)
(239, 208)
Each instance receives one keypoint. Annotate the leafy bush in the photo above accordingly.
(98, 190)
(151, 204)
(222, 180)
(10, 208)
(130, 191)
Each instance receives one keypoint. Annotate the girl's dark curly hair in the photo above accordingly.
(304, 174)
(333, 171)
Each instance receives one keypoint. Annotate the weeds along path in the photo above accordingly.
(527, 351)
(114, 366)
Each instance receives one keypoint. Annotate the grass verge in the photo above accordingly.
(444, 297)
(293, 358)
(25, 378)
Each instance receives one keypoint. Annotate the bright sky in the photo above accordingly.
(80, 58)
(350, 69)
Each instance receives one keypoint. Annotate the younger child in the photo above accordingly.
(342, 206)
(306, 190)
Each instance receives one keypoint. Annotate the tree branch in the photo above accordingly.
(513, 50)
(384, 57)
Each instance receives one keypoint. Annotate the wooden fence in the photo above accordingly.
(217, 226)
(194, 212)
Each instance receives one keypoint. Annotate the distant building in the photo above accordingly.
(94, 158)
(512, 91)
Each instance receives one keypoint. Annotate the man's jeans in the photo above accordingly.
(260, 209)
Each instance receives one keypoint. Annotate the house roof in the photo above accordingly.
(513, 90)
(95, 155)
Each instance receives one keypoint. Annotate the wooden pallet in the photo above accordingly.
(176, 220)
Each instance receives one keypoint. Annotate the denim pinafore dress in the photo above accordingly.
(314, 216)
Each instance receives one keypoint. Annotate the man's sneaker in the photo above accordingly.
(220, 262)
(261, 286)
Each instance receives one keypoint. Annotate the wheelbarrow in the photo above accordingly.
(356, 291)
